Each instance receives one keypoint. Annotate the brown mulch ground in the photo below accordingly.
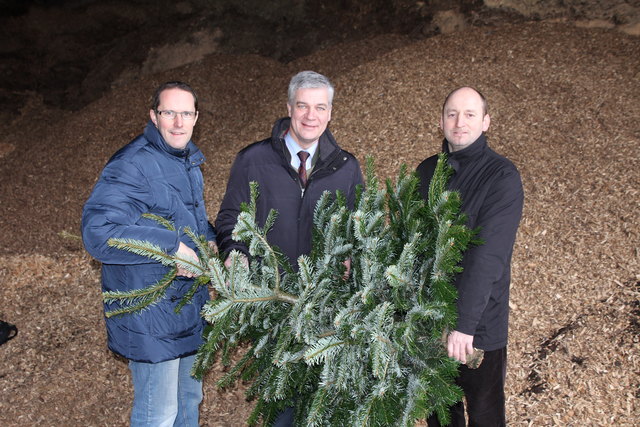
(564, 105)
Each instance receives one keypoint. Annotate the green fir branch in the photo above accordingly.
(186, 299)
(137, 300)
(324, 349)
(202, 246)
(359, 350)
(160, 220)
(142, 248)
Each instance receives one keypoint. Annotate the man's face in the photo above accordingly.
(177, 131)
(463, 119)
(310, 114)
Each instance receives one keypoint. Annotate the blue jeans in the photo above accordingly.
(165, 394)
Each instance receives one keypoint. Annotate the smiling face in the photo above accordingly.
(310, 113)
(177, 131)
(463, 118)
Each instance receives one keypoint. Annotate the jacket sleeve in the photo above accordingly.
(211, 233)
(425, 171)
(237, 193)
(113, 210)
(356, 180)
(488, 265)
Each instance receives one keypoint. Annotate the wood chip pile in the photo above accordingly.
(564, 108)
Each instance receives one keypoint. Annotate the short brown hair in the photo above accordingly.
(172, 85)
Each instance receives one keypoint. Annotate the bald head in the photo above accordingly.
(485, 105)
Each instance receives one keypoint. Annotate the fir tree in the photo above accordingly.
(362, 349)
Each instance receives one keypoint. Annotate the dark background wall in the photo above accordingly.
(66, 53)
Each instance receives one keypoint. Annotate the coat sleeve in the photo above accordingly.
(237, 192)
(211, 233)
(425, 171)
(488, 265)
(356, 180)
(113, 210)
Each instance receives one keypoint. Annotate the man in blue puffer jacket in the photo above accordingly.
(158, 173)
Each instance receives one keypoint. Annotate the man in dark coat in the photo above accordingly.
(293, 168)
(492, 199)
(158, 173)
(274, 163)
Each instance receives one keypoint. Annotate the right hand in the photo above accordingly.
(185, 252)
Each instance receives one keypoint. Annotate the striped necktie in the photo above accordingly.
(302, 170)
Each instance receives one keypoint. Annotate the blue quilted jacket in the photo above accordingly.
(148, 176)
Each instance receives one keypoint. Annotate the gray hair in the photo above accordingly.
(309, 80)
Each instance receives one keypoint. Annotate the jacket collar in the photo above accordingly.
(191, 151)
(467, 154)
(152, 135)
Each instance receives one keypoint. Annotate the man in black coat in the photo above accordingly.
(293, 168)
(492, 199)
(274, 163)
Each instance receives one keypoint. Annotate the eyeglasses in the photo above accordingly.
(170, 114)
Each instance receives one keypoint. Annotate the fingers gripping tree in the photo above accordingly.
(360, 349)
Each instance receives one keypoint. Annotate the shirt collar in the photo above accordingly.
(293, 148)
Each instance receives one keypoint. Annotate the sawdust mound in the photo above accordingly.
(564, 108)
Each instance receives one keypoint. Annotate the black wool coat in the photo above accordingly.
(268, 163)
(492, 198)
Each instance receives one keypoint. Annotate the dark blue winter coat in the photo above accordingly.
(268, 163)
(148, 176)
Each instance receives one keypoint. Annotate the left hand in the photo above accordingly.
(185, 252)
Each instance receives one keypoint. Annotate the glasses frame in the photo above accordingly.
(171, 115)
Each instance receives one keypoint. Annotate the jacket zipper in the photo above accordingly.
(315, 170)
